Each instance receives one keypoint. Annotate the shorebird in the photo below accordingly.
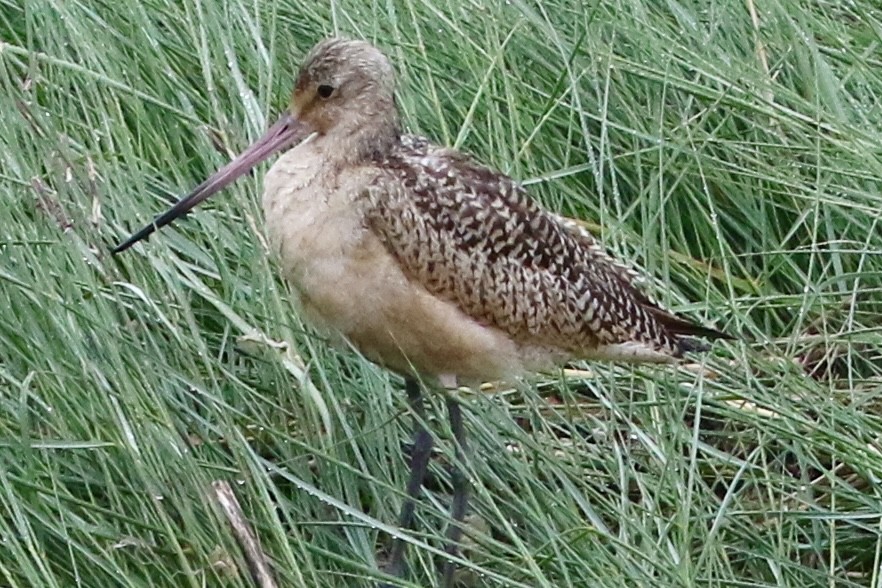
(428, 262)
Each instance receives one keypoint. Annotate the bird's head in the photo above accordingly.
(344, 100)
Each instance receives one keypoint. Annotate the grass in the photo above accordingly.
(733, 157)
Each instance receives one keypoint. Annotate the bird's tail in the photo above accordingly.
(689, 335)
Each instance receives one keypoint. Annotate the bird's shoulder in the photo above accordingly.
(473, 205)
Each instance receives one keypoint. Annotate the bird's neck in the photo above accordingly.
(361, 143)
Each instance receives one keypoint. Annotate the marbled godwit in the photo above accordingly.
(431, 264)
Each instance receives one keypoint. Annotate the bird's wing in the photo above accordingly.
(472, 236)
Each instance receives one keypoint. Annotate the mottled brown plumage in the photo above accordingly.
(472, 236)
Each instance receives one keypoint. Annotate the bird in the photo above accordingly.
(430, 263)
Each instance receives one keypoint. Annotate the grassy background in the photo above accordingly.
(734, 156)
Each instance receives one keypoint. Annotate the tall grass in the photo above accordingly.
(730, 150)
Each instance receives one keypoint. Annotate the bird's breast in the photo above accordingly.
(312, 220)
(348, 283)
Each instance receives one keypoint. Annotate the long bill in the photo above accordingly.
(285, 133)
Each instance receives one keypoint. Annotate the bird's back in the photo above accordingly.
(471, 236)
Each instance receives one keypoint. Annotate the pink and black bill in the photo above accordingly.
(287, 132)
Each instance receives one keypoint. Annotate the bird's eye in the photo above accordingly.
(325, 91)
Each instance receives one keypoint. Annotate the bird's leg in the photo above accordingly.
(419, 463)
(460, 492)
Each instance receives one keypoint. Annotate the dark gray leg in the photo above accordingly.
(460, 492)
(419, 463)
